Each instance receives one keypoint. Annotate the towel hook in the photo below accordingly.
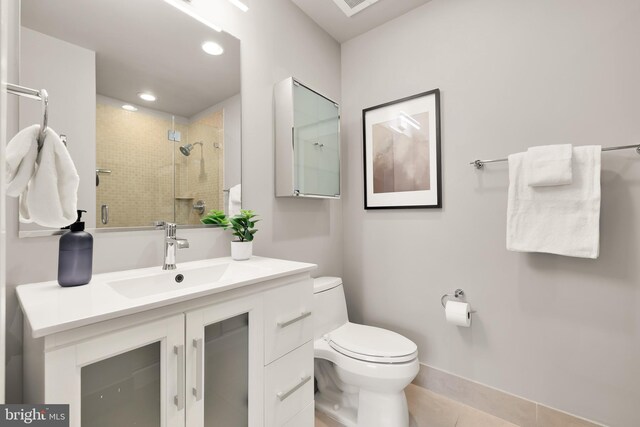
(44, 96)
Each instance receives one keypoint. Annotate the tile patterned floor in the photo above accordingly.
(429, 409)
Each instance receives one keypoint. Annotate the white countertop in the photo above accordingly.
(51, 308)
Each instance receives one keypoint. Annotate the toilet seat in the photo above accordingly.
(370, 344)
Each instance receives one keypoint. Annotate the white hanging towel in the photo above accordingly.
(562, 220)
(51, 198)
(235, 200)
(21, 155)
(549, 165)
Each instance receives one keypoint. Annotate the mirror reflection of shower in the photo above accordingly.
(186, 151)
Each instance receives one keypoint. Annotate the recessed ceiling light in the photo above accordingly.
(129, 107)
(240, 5)
(147, 96)
(212, 48)
(184, 7)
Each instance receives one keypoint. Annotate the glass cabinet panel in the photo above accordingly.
(226, 350)
(316, 143)
(307, 134)
(123, 390)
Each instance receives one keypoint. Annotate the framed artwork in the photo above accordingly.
(402, 165)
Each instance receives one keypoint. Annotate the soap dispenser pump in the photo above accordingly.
(75, 256)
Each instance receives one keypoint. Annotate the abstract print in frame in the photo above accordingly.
(402, 165)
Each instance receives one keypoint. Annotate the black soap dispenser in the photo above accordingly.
(75, 257)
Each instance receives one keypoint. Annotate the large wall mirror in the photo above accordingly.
(149, 101)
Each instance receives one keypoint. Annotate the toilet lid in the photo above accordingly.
(372, 344)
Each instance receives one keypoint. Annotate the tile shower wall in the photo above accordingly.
(200, 176)
(135, 147)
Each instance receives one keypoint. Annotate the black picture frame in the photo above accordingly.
(430, 198)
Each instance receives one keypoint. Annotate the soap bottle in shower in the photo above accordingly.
(75, 256)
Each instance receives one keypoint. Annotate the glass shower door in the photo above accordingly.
(134, 167)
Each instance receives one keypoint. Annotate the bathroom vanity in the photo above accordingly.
(215, 342)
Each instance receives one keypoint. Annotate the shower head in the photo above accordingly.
(186, 149)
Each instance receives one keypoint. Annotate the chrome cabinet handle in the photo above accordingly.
(303, 315)
(105, 214)
(284, 394)
(179, 398)
(197, 390)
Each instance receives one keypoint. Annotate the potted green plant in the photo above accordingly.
(216, 217)
(243, 228)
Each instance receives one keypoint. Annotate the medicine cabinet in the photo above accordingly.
(307, 142)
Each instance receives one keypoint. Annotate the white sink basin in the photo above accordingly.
(51, 308)
(168, 281)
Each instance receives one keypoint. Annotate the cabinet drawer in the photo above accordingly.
(305, 418)
(288, 386)
(288, 321)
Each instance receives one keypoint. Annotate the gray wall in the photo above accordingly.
(564, 332)
(305, 230)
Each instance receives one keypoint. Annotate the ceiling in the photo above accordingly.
(334, 21)
(144, 45)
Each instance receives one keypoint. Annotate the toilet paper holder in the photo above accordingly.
(456, 294)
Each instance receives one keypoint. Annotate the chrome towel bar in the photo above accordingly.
(479, 164)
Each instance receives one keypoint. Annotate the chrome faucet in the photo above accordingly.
(171, 245)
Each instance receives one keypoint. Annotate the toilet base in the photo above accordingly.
(344, 415)
(382, 409)
(374, 409)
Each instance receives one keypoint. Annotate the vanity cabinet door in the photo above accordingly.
(224, 364)
(133, 376)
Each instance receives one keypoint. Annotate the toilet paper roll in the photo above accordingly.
(458, 313)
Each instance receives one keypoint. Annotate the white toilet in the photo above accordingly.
(361, 371)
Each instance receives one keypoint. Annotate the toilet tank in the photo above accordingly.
(329, 305)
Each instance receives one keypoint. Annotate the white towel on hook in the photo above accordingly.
(562, 220)
(235, 200)
(21, 155)
(550, 165)
(51, 198)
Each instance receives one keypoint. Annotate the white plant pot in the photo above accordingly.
(241, 251)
